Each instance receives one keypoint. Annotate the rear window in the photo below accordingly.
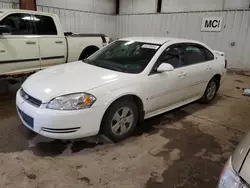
(209, 55)
(45, 25)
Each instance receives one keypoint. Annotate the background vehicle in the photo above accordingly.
(30, 41)
(236, 173)
(130, 80)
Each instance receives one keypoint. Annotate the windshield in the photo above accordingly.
(124, 56)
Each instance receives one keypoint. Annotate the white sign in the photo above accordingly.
(150, 46)
(212, 23)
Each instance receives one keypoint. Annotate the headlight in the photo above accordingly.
(229, 178)
(72, 102)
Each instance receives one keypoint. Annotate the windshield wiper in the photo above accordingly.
(109, 67)
(86, 61)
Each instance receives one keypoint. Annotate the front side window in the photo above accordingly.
(194, 55)
(45, 25)
(173, 55)
(19, 24)
(125, 56)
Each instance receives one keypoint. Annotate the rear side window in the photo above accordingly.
(194, 55)
(45, 25)
(209, 55)
(19, 24)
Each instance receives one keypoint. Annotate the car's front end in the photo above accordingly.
(61, 103)
(57, 119)
(236, 173)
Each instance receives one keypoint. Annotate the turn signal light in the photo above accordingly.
(87, 100)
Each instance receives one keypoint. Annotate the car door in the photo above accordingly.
(166, 89)
(51, 41)
(19, 51)
(198, 69)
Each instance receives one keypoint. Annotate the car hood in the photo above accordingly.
(68, 78)
(241, 159)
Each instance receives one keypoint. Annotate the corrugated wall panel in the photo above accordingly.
(8, 5)
(234, 39)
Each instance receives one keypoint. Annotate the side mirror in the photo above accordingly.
(165, 67)
(4, 29)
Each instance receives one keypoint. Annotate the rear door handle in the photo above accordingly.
(2, 51)
(209, 67)
(30, 42)
(58, 42)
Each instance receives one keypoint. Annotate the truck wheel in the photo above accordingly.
(88, 52)
(120, 120)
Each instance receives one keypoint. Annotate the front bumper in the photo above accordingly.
(59, 124)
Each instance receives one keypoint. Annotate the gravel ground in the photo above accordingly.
(186, 147)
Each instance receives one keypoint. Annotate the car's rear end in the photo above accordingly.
(221, 58)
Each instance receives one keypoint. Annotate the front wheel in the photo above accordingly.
(210, 92)
(120, 120)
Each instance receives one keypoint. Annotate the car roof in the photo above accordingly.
(158, 40)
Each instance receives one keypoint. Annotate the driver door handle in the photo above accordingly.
(183, 74)
(58, 42)
(30, 42)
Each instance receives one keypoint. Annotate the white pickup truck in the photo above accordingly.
(31, 41)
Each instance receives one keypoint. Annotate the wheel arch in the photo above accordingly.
(217, 77)
(138, 101)
(89, 50)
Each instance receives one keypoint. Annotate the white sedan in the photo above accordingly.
(130, 80)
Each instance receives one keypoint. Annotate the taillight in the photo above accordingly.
(225, 64)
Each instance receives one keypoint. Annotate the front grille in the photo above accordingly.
(69, 130)
(30, 99)
(27, 119)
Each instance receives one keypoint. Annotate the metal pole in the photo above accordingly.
(117, 11)
(27, 4)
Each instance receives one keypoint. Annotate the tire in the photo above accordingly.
(88, 52)
(210, 92)
(120, 120)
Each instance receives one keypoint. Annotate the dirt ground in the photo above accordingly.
(185, 148)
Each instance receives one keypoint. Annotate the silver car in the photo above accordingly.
(236, 173)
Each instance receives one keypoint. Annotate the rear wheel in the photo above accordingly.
(120, 120)
(88, 52)
(211, 91)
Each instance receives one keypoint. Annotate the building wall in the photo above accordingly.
(137, 6)
(150, 6)
(100, 6)
(187, 5)
(231, 4)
